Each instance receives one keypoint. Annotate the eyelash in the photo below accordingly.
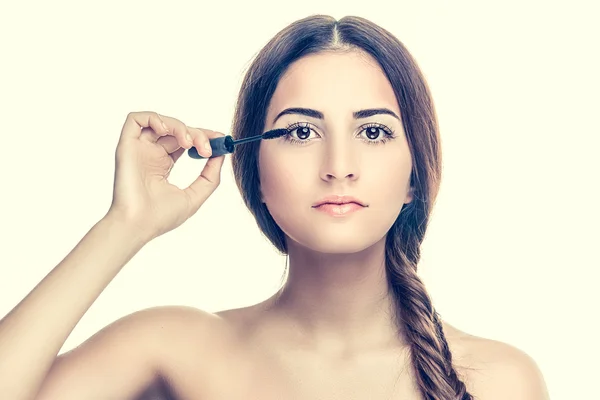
(388, 133)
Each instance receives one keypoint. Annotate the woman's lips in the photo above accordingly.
(339, 210)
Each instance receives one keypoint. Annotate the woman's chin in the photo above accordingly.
(348, 242)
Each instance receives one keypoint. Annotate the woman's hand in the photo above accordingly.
(149, 146)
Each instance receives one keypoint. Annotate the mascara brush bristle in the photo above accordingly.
(275, 133)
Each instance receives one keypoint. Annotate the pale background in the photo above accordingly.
(511, 253)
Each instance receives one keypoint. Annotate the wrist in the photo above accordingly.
(122, 226)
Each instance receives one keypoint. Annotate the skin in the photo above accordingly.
(336, 290)
(327, 333)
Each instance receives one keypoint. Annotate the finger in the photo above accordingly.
(149, 135)
(169, 143)
(161, 125)
(210, 177)
(176, 154)
(200, 139)
(179, 130)
(136, 121)
(210, 134)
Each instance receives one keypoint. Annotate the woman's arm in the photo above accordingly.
(144, 206)
(32, 334)
(135, 357)
(123, 361)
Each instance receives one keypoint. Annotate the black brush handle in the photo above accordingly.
(220, 146)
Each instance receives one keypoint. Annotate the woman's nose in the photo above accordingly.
(340, 161)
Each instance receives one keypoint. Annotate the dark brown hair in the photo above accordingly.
(430, 355)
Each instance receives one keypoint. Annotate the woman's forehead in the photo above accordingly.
(349, 81)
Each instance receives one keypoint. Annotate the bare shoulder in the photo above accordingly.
(174, 317)
(183, 329)
(147, 332)
(495, 370)
(132, 353)
(193, 348)
(166, 324)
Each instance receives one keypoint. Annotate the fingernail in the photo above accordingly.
(207, 146)
(164, 126)
(188, 137)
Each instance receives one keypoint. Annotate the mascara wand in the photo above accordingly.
(226, 144)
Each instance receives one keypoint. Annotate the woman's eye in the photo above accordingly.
(301, 132)
(373, 132)
(298, 134)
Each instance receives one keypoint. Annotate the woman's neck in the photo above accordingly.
(338, 302)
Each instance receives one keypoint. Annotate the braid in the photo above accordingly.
(458, 385)
(430, 353)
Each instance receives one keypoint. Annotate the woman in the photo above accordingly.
(347, 194)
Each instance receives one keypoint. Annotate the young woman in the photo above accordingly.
(346, 194)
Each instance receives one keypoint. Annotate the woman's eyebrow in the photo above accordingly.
(309, 112)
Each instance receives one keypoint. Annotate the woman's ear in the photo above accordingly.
(409, 195)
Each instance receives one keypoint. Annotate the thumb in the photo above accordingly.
(210, 177)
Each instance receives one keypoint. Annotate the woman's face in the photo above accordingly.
(332, 151)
